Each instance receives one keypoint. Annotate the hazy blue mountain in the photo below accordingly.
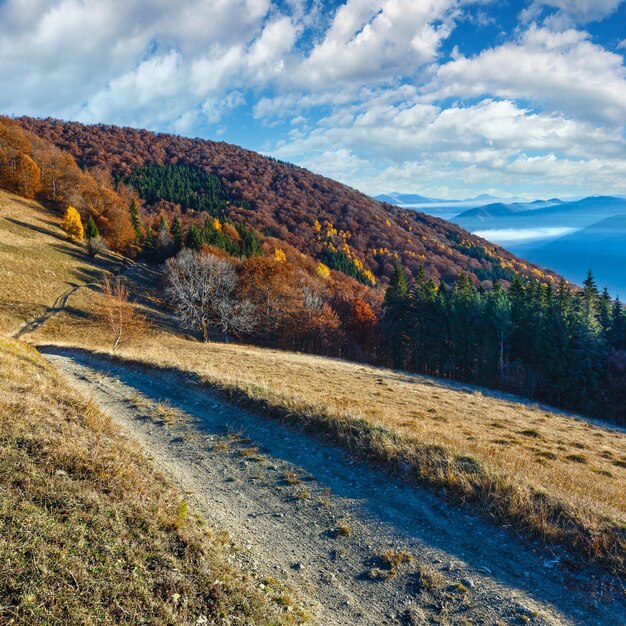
(410, 199)
(489, 212)
(573, 214)
(437, 207)
(401, 199)
(600, 247)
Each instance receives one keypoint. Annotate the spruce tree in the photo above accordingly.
(605, 317)
(398, 289)
(396, 317)
(617, 334)
(91, 230)
(134, 219)
(177, 232)
(195, 238)
(149, 243)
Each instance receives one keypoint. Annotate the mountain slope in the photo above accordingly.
(488, 212)
(458, 421)
(600, 247)
(38, 263)
(311, 212)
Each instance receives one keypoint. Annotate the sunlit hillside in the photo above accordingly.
(521, 461)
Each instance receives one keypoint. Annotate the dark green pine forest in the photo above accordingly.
(557, 344)
(189, 187)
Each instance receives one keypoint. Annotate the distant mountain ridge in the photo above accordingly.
(600, 247)
(579, 213)
(541, 230)
(408, 199)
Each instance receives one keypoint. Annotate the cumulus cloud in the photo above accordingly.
(492, 143)
(361, 90)
(377, 40)
(562, 70)
(125, 60)
(582, 11)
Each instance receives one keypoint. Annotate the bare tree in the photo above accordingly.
(201, 286)
(95, 246)
(121, 315)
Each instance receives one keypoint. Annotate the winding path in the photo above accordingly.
(282, 495)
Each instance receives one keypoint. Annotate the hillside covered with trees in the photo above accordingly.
(271, 254)
(312, 213)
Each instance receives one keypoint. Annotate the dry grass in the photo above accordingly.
(393, 559)
(343, 529)
(520, 461)
(89, 532)
(560, 477)
(37, 262)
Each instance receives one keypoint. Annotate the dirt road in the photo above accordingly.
(302, 511)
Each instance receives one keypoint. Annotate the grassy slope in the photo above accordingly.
(89, 532)
(554, 474)
(38, 263)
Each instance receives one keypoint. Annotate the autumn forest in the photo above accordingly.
(300, 262)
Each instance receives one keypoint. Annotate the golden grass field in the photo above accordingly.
(90, 533)
(557, 475)
(38, 263)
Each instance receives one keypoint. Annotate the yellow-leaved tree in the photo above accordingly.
(72, 224)
(279, 255)
(323, 270)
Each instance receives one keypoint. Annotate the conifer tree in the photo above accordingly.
(149, 243)
(398, 289)
(91, 229)
(396, 319)
(617, 333)
(195, 237)
(605, 312)
(95, 245)
(134, 219)
(177, 233)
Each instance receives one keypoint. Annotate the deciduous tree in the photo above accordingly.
(120, 315)
(202, 289)
(72, 224)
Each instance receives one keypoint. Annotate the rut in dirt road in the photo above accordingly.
(59, 304)
(304, 512)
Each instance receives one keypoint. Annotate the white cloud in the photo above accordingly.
(581, 11)
(268, 52)
(411, 145)
(377, 41)
(356, 92)
(118, 58)
(561, 70)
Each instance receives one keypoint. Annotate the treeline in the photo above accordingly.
(557, 344)
(560, 345)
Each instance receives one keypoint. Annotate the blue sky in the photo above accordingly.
(447, 98)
